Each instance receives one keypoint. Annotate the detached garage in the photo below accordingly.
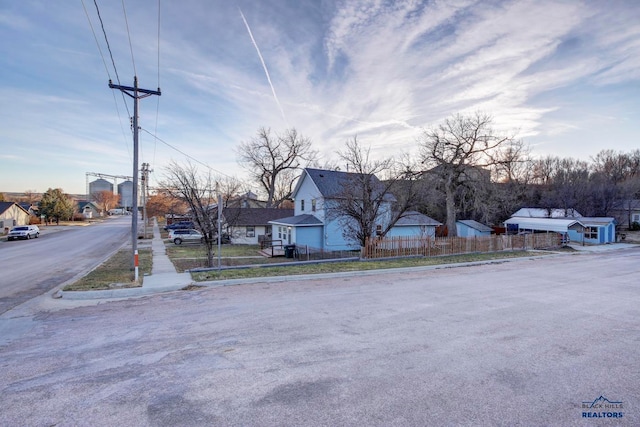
(598, 230)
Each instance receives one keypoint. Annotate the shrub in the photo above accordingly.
(635, 226)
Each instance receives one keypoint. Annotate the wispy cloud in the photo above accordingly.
(378, 69)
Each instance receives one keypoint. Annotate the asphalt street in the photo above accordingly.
(60, 254)
(531, 342)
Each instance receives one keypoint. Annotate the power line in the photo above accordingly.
(95, 37)
(190, 157)
(126, 21)
(113, 62)
(104, 62)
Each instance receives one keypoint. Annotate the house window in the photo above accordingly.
(251, 231)
(313, 205)
(302, 205)
(591, 232)
(636, 218)
(379, 229)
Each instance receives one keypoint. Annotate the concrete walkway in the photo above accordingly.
(163, 278)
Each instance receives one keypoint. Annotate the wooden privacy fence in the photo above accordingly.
(438, 246)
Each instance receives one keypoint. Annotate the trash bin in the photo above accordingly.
(289, 250)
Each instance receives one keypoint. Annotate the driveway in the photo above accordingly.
(526, 342)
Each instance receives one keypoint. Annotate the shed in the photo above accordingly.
(471, 228)
(597, 230)
(414, 224)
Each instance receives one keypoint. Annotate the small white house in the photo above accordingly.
(250, 226)
(12, 214)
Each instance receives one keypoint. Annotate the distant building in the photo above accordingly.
(125, 190)
(99, 185)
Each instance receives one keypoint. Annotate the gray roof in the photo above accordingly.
(332, 184)
(254, 216)
(475, 225)
(416, 218)
(6, 205)
(597, 220)
(298, 220)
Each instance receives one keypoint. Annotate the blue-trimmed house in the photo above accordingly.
(317, 223)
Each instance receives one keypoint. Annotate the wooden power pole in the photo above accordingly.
(136, 93)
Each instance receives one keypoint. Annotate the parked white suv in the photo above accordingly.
(23, 232)
(189, 235)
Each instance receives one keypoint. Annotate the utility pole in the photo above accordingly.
(136, 93)
(145, 194)
(219, 227)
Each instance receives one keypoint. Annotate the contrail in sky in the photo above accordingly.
(266, 71)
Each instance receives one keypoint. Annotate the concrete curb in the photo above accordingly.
(119, 293)
(169, 281)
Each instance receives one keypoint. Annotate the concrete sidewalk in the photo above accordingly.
(163, 278)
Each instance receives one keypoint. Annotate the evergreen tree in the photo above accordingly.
(56, 205)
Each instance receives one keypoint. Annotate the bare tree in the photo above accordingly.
(569, 187)
(364, 205)
(30, 196)
(272, 159)
(230, 189)
(163, 203)
(105, 200)
(198, 191)
(460, 151)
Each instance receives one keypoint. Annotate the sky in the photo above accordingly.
(563, 76)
